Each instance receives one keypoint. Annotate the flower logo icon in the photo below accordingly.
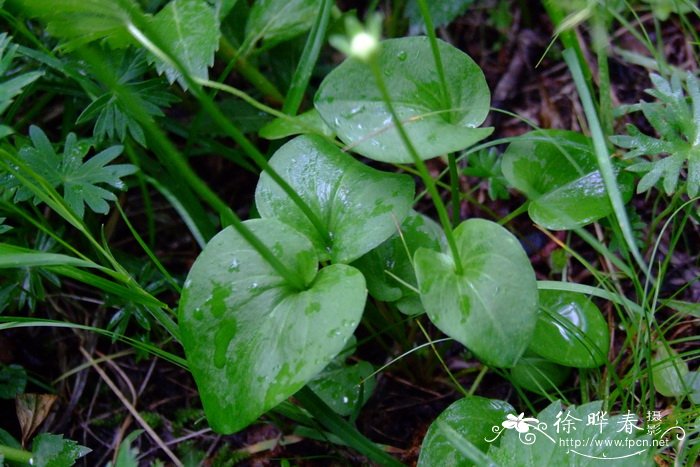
(521, 423)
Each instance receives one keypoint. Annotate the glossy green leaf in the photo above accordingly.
(547, 443)
(308, 122)
(539, 375)
(250, 339)
(570, 331)
(358, 205)
(274, 21)
(471, 417)
(391, 263)
(491, 307)
(338, 385)
(557, 170)
(669, 372)
(351, 104)
(190, 29)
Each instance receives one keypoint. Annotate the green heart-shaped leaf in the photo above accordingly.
(472, 418)
(351, 104)
(539, 375)
(252, 340)
(492, 306)
(558, 171)
(670, 373)
(572, 436)
(359, 206)
(570, 331)
(390, 265)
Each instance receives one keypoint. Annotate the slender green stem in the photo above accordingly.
(147, 40)
(515, 213)
(15, 455)
(422, 168)
(342, 429)
(249, 72)
(478, 379)
(430, 30)
(257, 104)
(314, 42)
(454, 189)
(174, 159)
(601, 42)
(603, 156)
(441, 360)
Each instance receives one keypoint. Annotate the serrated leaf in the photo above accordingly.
(13, 379)
(491, 307)
(351, 104)
(678, 127)
(472, 418)
(191, 30)
(79, 22)
(550, 444)
(274, 21)
(389, 267)
(558, 171)
(11, 87)
(115, 120)
(80, 180)
(358, 205)
(251, 339)
(127, 456)
(570, 331)
(53, 451)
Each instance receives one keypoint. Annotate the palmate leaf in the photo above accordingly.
(188, 28)
(79, 180)
(677, 124)
(115, 120)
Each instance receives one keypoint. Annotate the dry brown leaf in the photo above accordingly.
(32, 410)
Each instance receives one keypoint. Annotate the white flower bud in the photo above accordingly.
(363, 45)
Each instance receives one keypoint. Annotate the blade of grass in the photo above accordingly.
(149, 252)
(603, 157)
(342, 429)
(308, 59)
(140, 30)
(590, 290)
(15, 322)
(173, 159)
